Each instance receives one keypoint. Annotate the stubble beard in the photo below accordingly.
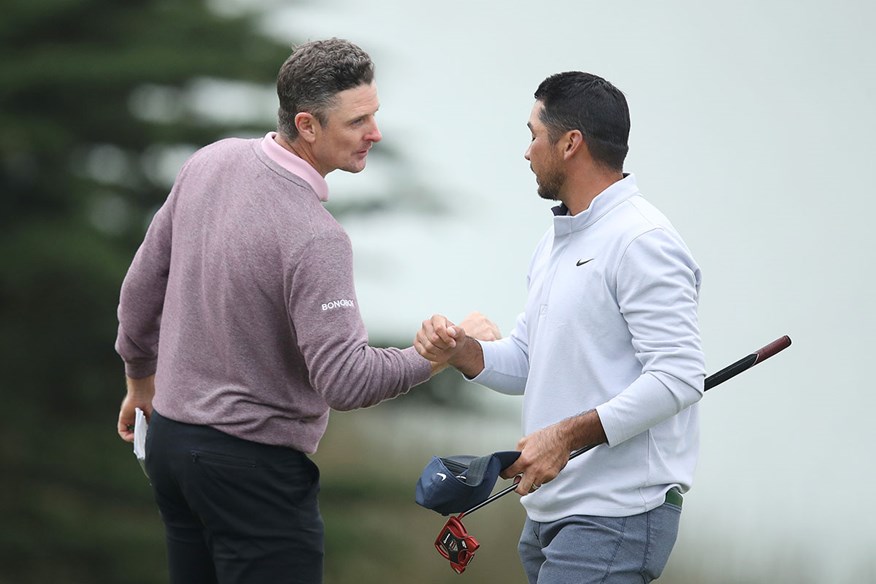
(550, 185)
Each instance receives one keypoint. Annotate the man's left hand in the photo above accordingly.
(543, 454)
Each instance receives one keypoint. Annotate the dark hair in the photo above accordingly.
(313, 74)
(590, 104)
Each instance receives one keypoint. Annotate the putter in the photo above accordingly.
(455, 544)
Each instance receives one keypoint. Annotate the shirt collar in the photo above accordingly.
(291, 162)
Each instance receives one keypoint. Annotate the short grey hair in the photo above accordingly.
(313, 75)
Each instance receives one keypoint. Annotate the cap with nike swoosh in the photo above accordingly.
(453, 484)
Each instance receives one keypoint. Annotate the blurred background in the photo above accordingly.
(752, 129)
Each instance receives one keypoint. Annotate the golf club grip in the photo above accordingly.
(779, 344)
(711, 381)
(747, 362)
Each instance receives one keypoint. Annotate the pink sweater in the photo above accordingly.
(241, 301)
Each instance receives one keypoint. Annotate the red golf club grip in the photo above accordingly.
(778, 345)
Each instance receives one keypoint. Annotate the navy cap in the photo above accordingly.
(454, 484)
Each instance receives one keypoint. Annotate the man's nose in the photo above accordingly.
(374, 135)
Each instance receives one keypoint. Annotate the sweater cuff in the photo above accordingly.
(421, 368)
(141, 369)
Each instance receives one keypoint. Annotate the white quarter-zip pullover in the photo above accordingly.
(611, 324)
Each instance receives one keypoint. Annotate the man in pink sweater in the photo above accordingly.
(239, 329)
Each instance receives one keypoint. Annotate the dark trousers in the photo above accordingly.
(235, 512)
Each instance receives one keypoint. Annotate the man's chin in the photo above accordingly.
(548, 195)
(352, 169)
(355, 167)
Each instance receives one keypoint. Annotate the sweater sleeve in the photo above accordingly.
(141, 299)
(331, 336)
(657, 290)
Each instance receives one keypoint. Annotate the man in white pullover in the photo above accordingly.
(607, 351)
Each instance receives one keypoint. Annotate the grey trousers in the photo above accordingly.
(606, 550)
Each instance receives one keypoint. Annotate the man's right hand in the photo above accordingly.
(140, 394)
(480, 327)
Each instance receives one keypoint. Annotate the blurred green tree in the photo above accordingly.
(99, 102)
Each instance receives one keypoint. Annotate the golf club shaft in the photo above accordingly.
(711, 381)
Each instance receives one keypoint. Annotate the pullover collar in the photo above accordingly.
(604, 202)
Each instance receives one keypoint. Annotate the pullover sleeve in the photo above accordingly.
(506, 361)
(331, 336)
(657, 289)
(141, 299)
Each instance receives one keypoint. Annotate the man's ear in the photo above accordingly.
(307, 126)
(573, 142)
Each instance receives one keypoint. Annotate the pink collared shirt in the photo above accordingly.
(295, 165)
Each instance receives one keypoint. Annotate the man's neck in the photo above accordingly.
(300, 150)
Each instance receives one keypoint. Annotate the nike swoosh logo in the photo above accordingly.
(582, 262)
(442, 475)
